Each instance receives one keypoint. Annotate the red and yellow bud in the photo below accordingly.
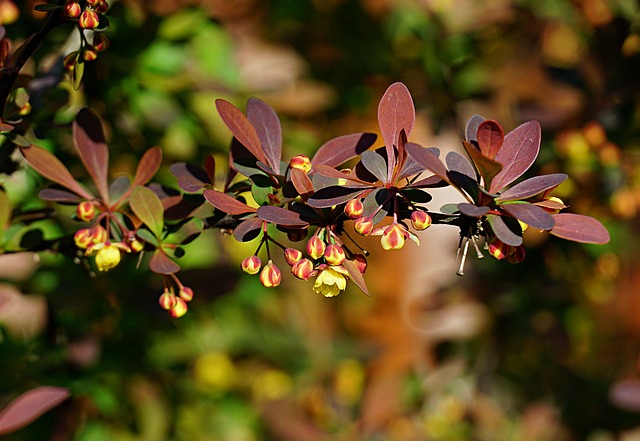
(363, 225)
(354, 208)
(83, 238)
(136, 245)
(361, 262)
(89, 19)
(186, 293)
(301, 162)
(70, 60)
(89, 54)
(93, 3)
(179, 309)
(102, 7)
(292, 256)
(251, 265)
(334, 254)
(100, 42)
(303, 269)
(72, 9)
(85, 211)
(420, 220)
(270, 276)
(315, 247)
(393, 237)
(167, 300)
(99, 234)
(498, 249)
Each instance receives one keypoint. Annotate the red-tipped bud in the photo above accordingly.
(179, 309)
(186, 293)
(354, 208)
(270, 276)
(334, 254)
(303, 269)
(167, 300)
(136, 245)
(498, 249)
(93, 3)
(85, 211)
(516, 255)
(251, 265)
(363, 225)
(100, 42)
(102, 7)
(315, 247)
(393, 237)
(71, 60)
(99, 234)
(89, 19)
(83, 238)
(292, 256)
(72, 9)
(361, 262)
(89, 54)
(420, 220)
(301, 162)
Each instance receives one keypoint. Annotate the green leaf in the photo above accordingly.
(147, 236)
(5, 211)
(148, 207)
(186, 232)
(77, 73)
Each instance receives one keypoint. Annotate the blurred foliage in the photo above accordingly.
(509, 352)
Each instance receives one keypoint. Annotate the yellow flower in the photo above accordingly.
(108, 257)
(329, 282)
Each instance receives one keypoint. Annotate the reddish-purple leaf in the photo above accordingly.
(302, 183)
(147, 206)
(148, 166)
(210, 168)
(490, 138)
(355, 275)
(57, 195)
(488, 168)
(428, 159)
(226, 203)
(625, 394)
(519, 151)
(88, 138)
(334, 195)
(530, 214)
(551, 204)
(472, 210)
(471, 130)
(579, 228)
(430, 182)
(29, 406)
(507, 229)
(339, 150)
(51, 168)
(241, 128)
(160, 263)
(462, 174)
(395, 113)
(191, 178)
(281, 216)
(532, 187)
(248, 229)
(265, 120)
(330, 172)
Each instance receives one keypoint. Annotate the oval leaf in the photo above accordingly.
(428, 159)
(532, 187)
(488, 168)
(355, 275)
(519, 151)
(281, 216)
(579, 228)
(507, 229)
(248, 230)
(147, 206)
(471, 131)
(302, 183)
(375, 164)
(226, 203)
(334, 195)
(186, 232)
(241, 128)
(530, 214)
(472, 210)
(339, 150)
(148, 166)
(265, 120)
(396, 112)
(57, 195)
(88, 138)
(29, 406)
(490, 138)
(161, 264)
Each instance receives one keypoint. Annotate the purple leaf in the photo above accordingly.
(532, 187)
(241, 128)
(29, 406)
(330, 172)
(161, 264)
(625, 394)
(334, 195)
(519, 151)
(191, 178)
(471, 131)
(226, 203)
(265, 120)
(472, 210)
(488, 168)
(428, 159)
(462, 174)
(281, 216)
(507, 229)
(530, 214)
(375, 164)
(51, 168)
(409, 169)
(248, 230)
(490, 138)
(430, 182)
(57, 195)
(88, 138)
(395, 113)
(148, 166)
(210, 168)
(147, 206)
(579, 228)
(339, 150)
(302, 183)
(355, 275)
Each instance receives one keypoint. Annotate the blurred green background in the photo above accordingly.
(532, 351)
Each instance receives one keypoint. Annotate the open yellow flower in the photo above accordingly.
(329, 282)
(107, 258)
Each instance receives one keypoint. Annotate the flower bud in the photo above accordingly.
(516, 255)
(167, 300)
(179, 309)
(136, 245)
(85, 211)
(83, 238)
(363, 225)
(70, 60)
(291, 255)
(186, 293)
(89, 54)
(393, 237)
(107, 257)
(303, 269)
(100, 42)
(361, 263)
(251, 265)
(498, 249)
(334, 254)
(315, 247)
(354, 208)
(270, 276)
(99, 234)
(72, 9)
(88, 19)
(301, 162)
(102, 7)
(93, 3)
(420, 220)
